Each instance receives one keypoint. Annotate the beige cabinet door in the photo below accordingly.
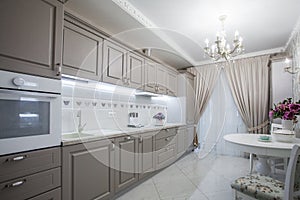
(161, 79)
(150, 76)
(126, 162)
(189, 137)
(181, 143)
(114, 64)
(135, 70)
(190, 100)
(146, 154)
(31, 36)
(87, 171)
(82, 52)
(171, 83)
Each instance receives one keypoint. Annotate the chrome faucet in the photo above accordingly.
(80, 126)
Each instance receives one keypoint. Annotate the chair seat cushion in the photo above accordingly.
(260, 187)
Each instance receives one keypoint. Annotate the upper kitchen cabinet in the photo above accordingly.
(135, 70)
(155, 77)
(150, 76)
(82, 51)
(31, 37)
(171, 82)
(161, 74)
(114, 64)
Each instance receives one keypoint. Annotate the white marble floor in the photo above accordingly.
(192, 178)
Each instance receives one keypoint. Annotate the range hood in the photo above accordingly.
(146, 94)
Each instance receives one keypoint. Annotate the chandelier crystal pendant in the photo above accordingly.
(221, 48)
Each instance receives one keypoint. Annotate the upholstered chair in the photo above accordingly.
(256, 186)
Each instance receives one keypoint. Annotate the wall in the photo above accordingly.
(105, 106)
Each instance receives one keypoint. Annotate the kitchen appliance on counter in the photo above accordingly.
(133, 120)
(30, 112)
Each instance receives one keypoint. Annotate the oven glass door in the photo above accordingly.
(24, 114)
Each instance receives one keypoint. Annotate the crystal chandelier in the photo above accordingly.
(221, 48)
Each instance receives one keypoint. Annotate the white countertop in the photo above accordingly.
(109, 133)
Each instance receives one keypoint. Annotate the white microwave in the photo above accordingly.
(30, 112)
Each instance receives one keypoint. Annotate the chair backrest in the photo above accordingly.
(292, 180)
(275, 127)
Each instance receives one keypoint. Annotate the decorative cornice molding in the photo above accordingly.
(135, 13)
(293, 33)
(247, 55)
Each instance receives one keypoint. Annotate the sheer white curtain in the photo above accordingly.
(249, 83)
(221, 117)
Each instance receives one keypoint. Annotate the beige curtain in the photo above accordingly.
(249, 83)
(205, 80)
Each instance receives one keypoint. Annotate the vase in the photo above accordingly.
(287, 124)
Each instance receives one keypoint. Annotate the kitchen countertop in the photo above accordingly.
(88, 136)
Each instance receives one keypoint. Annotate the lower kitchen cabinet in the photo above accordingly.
(189, 137)
(146, 154)
(34, 175)
(52, 195)
(165, 147)
(87, 171)
(126, 162)
(181, 135)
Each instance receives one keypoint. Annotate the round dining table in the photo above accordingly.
(250, 143)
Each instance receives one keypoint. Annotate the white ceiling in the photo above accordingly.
(183, 25)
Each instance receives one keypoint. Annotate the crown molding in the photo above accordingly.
(134, 12)
(247, 55)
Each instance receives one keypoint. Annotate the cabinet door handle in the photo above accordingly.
(141, 139)
(58, 66)
(167, 130)
(112, 146)
(15, 184)
(17, 158)
(167, 139)
(128, 138)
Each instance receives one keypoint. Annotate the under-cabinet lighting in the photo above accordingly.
(27, 115)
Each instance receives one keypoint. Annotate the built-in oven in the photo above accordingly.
(30, 112)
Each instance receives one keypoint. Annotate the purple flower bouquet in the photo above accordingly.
(286, 110)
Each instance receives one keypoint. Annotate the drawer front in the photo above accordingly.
(165, 156)
(22, 164)
(163, 142)
(52, 195)
(165, 133)
(29, 186)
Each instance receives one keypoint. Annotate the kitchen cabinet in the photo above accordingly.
(31, 37)
(181, 138)
(190, 99)
(146, 154)
(189, 137)
(27, 175)
(150, 76)
(82, 51)
(135, 70)
(126, 162)
(171, 78)
(155, 77)
(87, 171)
(165, 148)
(114, 64)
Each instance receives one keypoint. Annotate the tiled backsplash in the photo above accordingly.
(106, 106)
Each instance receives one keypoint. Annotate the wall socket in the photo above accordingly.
(111, 114)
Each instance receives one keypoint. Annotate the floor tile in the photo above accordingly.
(145, 191)
(193, 178)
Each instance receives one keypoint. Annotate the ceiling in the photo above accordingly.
(175, 30)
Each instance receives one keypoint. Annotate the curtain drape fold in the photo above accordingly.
(205, 80)
(249, 83)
